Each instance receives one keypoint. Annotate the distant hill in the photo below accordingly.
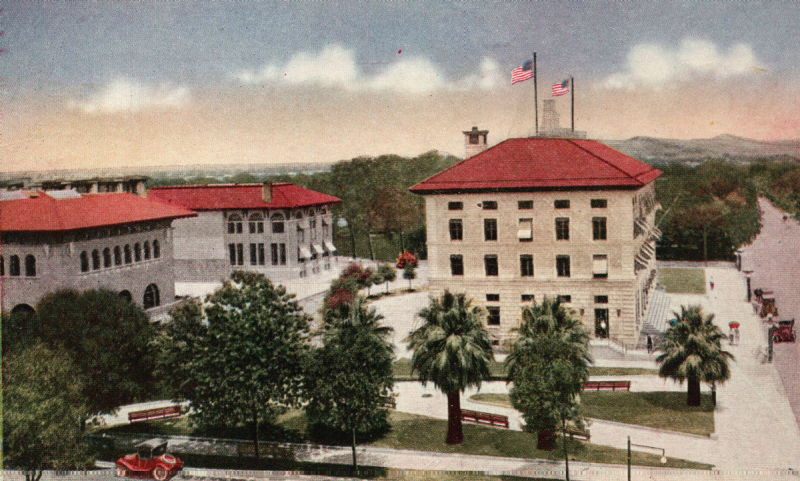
(729, 147)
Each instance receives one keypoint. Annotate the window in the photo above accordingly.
(125, 295)
(278, 252)
(490, 263)
(232, 253)
(256, 225)
(455, 206)
(564, 299)
(561, 204)
(30, 266)
(146, 250)
(95, 260)
(599, 228)
(562, 228)
(106, 257)
(137, 252)
(2, 266)
(525, 231)
(277, 224)
(525, 204)
(261, 255)
(117, 256)
(253, 255)
(456, 230)
(526, 265)
(601, 299)
(236, 254)
(493, 319)
(492, 297)
(456, 265)
(600, 266)
(84, 262)
(151, 297)
(325, 230)
(562, 266)
(14, 268)
(234, 224)
(128, 255)
(283, 253)
(489, 205)
(490, 229)
(301, 235)
(156, 249)
(599, 203)
(527, 298)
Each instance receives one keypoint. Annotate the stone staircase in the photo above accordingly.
(655, 324)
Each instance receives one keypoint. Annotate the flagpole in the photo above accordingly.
(572, 95)
(535, 94)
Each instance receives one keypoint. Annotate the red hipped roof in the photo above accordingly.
(240, 196)
(542, 163)
(42, 213)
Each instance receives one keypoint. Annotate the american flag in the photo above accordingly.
(561, 88)
(521, 74)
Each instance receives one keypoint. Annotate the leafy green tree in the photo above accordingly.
(108, 340)
(692, 352)
(238, 359)
(387, 274)
(409, 273)
(452, 350)
(43, 407)
(349, 378)
(548, 364)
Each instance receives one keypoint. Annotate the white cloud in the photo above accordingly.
(124, 95)
(657, 66)
(336, 66)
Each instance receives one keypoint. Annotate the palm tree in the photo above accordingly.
(452, 350)
(548, 364)
(692, 351)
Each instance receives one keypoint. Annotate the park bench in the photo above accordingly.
(484, 418)
(269, 450)
(579, 434)
(607, 386)
(153, 414)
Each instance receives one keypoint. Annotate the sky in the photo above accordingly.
(155, 83)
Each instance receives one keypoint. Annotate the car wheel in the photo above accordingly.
(121, 471)
(160, 473)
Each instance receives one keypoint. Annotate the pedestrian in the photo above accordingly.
(649, 344)
(736, 334)
(712, 285)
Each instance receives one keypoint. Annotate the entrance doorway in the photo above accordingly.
(601, 323)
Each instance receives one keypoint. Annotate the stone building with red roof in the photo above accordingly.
(536, 217)
(52, 240)
(281, 230)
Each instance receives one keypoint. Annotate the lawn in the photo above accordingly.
(660, 410)
(683, 281)
(421, 433)
(402, 371)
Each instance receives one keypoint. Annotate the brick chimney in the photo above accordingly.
(266, 192)
(475, 141)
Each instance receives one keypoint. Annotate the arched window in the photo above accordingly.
(95, 260)
(84, 262)
(117, 256)
(106, 257)
(298, 215)
(23, 309)
(14, 267)
(126, 295)
(234, 224)
(151, 297)
(256, 224)
(128, 256)
(30, 266)
(156, 249)
(277, 224)
(2, 266)
(146, 250)
(137, 252)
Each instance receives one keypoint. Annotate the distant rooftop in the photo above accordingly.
(239, 196)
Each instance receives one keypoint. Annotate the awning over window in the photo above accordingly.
(525, 231)
(330, 247)
(642, 224)
(305, 253)
(655, 233)
(317, 249)
(649, 248)
(600, 264)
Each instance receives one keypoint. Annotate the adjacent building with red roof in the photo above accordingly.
(281, 230)
(53, 240)
(536, 217)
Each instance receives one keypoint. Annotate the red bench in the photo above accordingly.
(579, 434)
(607, 386)
(484, 418)
(152, 414)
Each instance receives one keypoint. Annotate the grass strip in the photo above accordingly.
(682, 281)
(660, 409)
(402, 371)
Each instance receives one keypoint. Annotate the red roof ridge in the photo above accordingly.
(573, 142)
(205, 186)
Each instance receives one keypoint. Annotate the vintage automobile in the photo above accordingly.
(784, 331)
(151, 461)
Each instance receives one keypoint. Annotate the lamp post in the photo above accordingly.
(747, 276)
(663, 454)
